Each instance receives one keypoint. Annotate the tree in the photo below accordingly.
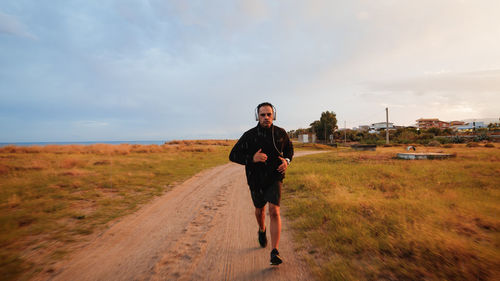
(295, 133)
(447, 132)
(493, 126)
(435, 131)
(328, 122)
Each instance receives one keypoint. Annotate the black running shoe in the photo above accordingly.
(262, 239)
(275, 257)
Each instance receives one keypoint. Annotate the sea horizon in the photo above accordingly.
(43, 143)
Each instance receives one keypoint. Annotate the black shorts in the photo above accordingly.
(270, 193)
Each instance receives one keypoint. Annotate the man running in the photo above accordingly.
(266, 152)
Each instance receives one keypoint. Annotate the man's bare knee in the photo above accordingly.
(274, 211)
(259, 211)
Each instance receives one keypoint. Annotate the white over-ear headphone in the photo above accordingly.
(261, 105)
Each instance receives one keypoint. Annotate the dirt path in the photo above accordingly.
(203, 229)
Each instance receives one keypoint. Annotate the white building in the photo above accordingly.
(471, 126)
(381, 126)
(304, 138)
(364, 128)
(307, 138)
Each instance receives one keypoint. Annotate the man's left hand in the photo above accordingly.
(283, 166)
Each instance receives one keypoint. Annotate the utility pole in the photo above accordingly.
(345, 132)
(325, 133)
(387, 125)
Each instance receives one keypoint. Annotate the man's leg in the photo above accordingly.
(274, 213)
(260, 215)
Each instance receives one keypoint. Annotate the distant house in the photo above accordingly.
(364, 128)
(457, 123)
(427, 123)
(381, 126)
(307, 138)
(471, 126)
(304, 138)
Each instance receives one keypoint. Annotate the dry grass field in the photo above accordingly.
(53, 196)
(356, 215)
(369, 216)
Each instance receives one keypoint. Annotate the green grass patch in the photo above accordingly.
(298, 146)
(369, 216)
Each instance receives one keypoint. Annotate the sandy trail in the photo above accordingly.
(203, 229)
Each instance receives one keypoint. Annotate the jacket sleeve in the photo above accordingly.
(241, 152)
(287, 147)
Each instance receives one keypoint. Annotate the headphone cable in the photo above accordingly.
(272, 133)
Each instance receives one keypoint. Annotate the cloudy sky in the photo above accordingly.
(159, 70)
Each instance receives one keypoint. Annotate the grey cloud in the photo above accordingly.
(486, 81)
(445, 95)
(11, 25)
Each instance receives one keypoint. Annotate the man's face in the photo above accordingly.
(266, 116)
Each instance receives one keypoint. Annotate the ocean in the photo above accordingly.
(80, 142)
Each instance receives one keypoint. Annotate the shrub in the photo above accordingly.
(482, 137)
(434, 131)
(372, 139)
(405, 141)
(489, 145)
(406, 136)
(457, 139)
(443, 140)
(426, 136)
(434, 143)
(447, 132)
(424, 141)
(472, 144)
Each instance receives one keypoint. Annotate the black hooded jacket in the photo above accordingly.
(262, 174)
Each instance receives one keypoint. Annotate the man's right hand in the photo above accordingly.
(259, 156)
